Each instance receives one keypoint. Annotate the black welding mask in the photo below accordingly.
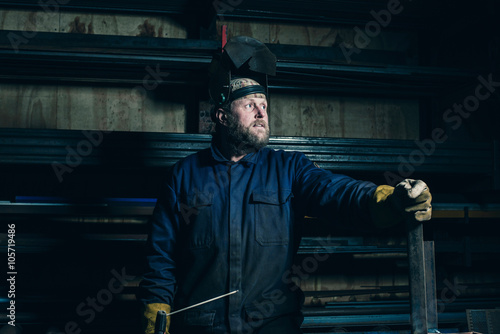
(241, 57)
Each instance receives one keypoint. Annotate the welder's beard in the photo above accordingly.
(244, 140)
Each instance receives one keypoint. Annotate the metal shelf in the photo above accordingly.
(126, 150)
(61, 58)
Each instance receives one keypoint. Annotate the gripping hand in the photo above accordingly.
(410, 199)
(149, 316)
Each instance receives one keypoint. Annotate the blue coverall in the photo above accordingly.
(220, 226)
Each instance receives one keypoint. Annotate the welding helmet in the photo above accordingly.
(241, 57)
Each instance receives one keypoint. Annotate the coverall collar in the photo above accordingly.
(218, 156)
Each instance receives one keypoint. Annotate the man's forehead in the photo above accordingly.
(249, 98)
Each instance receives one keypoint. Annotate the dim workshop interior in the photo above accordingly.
(99, 98)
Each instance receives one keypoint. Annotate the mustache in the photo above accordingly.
(259, 122)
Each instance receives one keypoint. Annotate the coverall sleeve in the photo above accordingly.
(158, 283)
(331, 196)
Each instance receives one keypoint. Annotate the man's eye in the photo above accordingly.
(249, 105)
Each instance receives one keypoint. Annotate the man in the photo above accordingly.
(227, 220)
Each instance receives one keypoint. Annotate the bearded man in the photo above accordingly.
(228, 220)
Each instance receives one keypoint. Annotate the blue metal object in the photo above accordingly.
(374, 320)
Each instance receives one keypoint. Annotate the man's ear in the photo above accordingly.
(220, 115)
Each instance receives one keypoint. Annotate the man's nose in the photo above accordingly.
(260, 112)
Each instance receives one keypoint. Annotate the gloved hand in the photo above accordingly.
(410, 199)
(149, 316)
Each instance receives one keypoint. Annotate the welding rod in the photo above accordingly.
(204, 302)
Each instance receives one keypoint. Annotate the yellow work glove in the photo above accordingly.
(149, 316)
(410, 199)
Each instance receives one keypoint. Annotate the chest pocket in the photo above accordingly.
(195, 210)
(272, 216)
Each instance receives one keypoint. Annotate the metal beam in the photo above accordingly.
(313, 322)
(121, 150)
(75, 58)
(417, 279)
(430, 287)
(331, 12)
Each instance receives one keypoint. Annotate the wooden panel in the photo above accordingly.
(296, 34)
(117, 109)
(303, 35)
(121, 25)
(98, 108)
(27, 106)
(319, 116)
(258, 30)
(28, 21)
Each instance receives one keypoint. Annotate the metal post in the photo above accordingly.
(430, 282)
(416, 262)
